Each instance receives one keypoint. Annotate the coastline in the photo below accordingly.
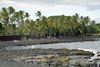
(44, 57)
(45, 41)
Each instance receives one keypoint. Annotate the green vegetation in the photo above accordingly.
(14, 22)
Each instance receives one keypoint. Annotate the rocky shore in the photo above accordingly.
(45, 58)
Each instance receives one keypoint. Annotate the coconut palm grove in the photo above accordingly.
(14, 22)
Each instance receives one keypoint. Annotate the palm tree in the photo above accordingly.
(38, 14)
(1, 29)
(4, 16)
(11, 10)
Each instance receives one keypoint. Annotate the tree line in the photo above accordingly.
(14, 22)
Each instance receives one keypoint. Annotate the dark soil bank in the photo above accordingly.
(45, 41)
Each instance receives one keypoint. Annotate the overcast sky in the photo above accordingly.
(57, 7)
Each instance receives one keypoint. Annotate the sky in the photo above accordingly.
(89, 8)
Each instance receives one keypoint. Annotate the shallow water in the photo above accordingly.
(88, 45)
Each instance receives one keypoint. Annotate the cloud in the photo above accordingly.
(75, 2)
(58, 1)
(13, 3)
(56, 7)
(94, 6)
(21, 4)
(89, 4)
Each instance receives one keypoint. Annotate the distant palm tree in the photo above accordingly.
(38, 14)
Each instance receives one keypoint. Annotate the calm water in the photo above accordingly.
(88, 45)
